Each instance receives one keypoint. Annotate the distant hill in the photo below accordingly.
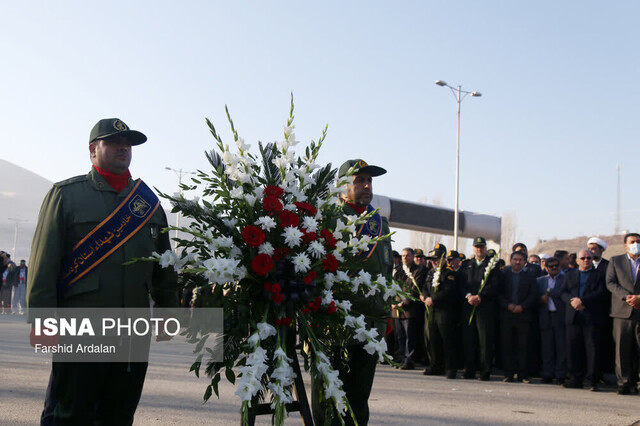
(614, 248)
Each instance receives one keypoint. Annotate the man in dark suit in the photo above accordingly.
(624, 284)
(551, 314)
(584, 295)
(517, 299)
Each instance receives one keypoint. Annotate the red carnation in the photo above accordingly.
(306, 310)
(275, 288)
(329, 239)
(283, 321)
(272, 204)
(278, 298)
(288, 218)
(306, 208)
(253, 236)
(332, 308)
(273, 191)
(330, 263)
(279, 253)
(309, 236)
(310, 277)
(262, 264)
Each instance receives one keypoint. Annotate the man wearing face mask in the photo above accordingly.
(624, 284)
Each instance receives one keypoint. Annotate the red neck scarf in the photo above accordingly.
(358, 209)
(117, 182)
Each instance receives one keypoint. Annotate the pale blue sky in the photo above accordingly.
(559, 108)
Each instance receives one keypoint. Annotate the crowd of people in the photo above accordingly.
(13, 291)
(566, 319)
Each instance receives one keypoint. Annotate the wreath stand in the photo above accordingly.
(301, 404)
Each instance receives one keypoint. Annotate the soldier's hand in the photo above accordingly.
(474, 300)
(545, 298)
(429, 301)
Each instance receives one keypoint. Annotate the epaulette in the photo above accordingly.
(75, 179)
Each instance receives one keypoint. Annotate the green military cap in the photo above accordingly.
(491, 252)
(361, 167)
(462, 256)
(108, 127)
(479, 241)
(438, 251)
(418, 252)
(452, 254)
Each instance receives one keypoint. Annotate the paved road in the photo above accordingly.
(172, 395)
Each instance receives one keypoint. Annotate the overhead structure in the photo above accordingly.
(437, 220)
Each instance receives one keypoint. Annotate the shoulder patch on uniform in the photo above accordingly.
(72, 180)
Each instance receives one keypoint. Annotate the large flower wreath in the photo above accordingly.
(270, 244)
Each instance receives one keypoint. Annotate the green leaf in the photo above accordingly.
(201, 344)
(231, 376)
(214, 383)
(208, 393)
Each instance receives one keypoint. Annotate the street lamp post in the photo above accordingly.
(459, 94)
(15, 235)
(180, 174)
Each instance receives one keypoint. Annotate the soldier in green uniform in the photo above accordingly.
(357, 375)
(98, 393)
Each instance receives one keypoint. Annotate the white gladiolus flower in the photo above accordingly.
(301, 263)
(242, 145)
(250, 198)
(220, 270)
(265, 330)
(253, 339)
(168, 258)
(292, 236)
(281, 354)
(328, 297)
(340, 227)
(343, 276)
(391, 291)
(237, 192)
(345, 305)
(376, 346)
(340, 246)
(329, 279)
(230, 223)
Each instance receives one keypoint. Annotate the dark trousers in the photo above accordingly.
(554, 348)
(479, 339)
(357, 381)
(94, 393)
(515, 345)
(583, 351)
(441, 330)
(407, 334)
(626, 333)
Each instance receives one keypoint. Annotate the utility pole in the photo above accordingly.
(616, 231)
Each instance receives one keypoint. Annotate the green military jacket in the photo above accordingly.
(70, 210)
(380, 262)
